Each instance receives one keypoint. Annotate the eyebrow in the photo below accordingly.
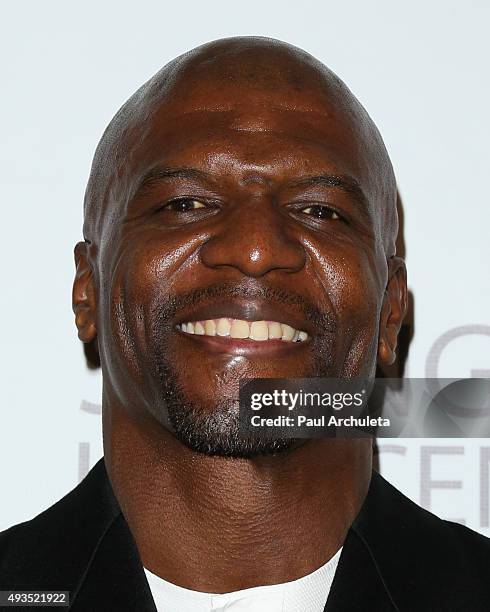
(347, 183)
(344, 182)
(158, 174)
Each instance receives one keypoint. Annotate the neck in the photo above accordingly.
(193, 517)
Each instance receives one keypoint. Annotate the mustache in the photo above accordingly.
(321, 318)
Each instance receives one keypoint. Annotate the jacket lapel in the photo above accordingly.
(115, 579)
(422, 561)
(358, 584)
(400, 557)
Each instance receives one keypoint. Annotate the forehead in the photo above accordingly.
(273, 135)
(229, 114)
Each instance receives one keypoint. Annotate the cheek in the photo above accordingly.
(353, 288)
(349, 276)
(142, 275)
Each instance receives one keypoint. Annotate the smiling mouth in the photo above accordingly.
(240, 329)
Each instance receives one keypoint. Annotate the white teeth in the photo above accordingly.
(275, 331)
(199, 329)
(210, 327)
(287, 332)
(258, 331)
(239, 329)
(223, 327)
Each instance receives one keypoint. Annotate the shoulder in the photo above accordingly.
(421, 555)
(421, 529)
(32, 553)
(474, 546)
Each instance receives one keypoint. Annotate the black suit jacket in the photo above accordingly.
(396, 556)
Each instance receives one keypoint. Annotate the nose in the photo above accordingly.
(254, 239)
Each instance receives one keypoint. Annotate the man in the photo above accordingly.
(240, 221)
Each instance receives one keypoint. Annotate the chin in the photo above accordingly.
(216, 431)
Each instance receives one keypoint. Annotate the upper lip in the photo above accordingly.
(247, 310)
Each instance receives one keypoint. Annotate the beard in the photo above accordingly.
(212, 430)
(213, 427)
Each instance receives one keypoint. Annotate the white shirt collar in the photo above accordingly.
(307, 594)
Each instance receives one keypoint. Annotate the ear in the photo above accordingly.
(83, 296)
(393, 310)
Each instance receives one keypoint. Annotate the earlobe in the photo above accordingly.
(393, 311)
(84, 295)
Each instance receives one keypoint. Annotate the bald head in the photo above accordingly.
(243, 181)
(249, 81)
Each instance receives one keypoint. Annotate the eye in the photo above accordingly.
(320, 212)
(184, 205)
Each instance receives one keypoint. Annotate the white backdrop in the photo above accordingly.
(421, 70)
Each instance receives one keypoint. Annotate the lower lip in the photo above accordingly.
(246, 347)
